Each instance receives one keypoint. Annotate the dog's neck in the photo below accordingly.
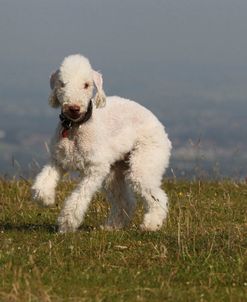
(68, 123)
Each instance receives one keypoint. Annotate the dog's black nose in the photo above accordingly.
(74, 109)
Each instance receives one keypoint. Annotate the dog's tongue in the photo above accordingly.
(64, 133)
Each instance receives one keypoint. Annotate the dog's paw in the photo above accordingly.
(67, 224)
(151, 223)
(150, 227)
(153, 219)
(42, 198)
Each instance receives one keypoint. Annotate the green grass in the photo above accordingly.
(199, 255)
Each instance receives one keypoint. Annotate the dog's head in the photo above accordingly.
(72, 87)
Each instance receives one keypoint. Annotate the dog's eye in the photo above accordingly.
(86, 85)
(62, 84)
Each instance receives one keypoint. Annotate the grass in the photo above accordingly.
(199, 255)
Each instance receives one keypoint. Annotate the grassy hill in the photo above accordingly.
(199, 255)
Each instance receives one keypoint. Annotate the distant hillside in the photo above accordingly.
(209, 139)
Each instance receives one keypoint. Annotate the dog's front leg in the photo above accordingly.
(43, 189)
(77, 203)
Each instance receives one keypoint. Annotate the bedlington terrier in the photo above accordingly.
(113, 142)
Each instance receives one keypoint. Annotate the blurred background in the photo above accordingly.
(184, 60)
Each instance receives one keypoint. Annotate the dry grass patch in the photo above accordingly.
(199, 255)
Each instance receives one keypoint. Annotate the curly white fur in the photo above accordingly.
(122, 147)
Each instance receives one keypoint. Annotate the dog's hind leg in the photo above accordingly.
(120, 196)
(147, 165)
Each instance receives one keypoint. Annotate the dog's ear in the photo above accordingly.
(53, 101)
(100, 98)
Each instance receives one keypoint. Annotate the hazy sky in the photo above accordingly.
(127, 40)
(211, 31)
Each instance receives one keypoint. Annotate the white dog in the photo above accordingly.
(113, 142)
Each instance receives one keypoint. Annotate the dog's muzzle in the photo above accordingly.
(68, 123)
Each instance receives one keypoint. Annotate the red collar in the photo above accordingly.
(64, 133)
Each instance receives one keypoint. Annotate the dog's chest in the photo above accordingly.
(71, 151)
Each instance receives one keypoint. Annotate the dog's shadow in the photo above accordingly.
(31, 227)
(28, 227)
